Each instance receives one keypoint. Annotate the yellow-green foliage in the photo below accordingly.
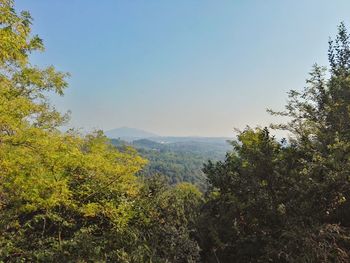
(50, 180)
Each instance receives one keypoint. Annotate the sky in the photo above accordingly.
(184, 67)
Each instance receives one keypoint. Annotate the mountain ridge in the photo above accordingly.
(132, 134)
(129, 134)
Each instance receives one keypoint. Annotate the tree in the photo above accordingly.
(63, 197)
(288, 201)
(169, 215)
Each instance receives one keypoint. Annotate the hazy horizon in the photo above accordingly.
(182, 68)
(153, 134)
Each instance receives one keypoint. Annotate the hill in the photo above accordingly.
(129, 134)
(180, 160)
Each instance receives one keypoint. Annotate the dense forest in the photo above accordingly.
(179, 160)
(69, 197)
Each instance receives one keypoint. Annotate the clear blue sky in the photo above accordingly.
(184, 67)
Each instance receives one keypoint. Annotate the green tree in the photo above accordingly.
(63, 197)
(169, 215)
(288, 201)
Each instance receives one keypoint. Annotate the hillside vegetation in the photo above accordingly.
(179, 161)
(67, 197)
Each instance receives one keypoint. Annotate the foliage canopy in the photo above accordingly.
(288, 201)
(65, 197)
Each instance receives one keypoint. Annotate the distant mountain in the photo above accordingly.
(129, 134)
